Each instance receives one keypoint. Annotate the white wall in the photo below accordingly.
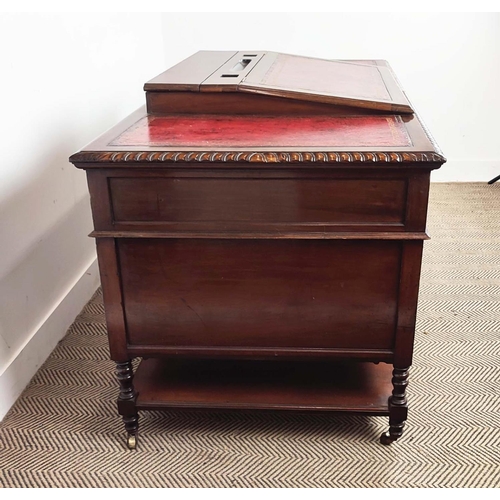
(65, 79)
(449, 64)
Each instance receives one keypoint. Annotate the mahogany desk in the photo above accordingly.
(260, 246)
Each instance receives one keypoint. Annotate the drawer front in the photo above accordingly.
(260, 293)
(254, 201)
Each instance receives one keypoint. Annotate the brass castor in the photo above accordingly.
(132, 442)
(386, 438)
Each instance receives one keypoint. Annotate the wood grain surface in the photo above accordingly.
(258, 200)
(263, 293)
(338, 386)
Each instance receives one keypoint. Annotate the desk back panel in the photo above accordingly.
(260, 293)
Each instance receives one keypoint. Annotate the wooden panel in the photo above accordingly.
(411, 261)
(100, 202)
(110, 282)
(240, 103)
(258, 200)
(228, 76)
(189, 73)
(267, 293)
(417, 201)
(271, 232)
(320, 76)
(262, 353)
(272, 385)
(322, 80)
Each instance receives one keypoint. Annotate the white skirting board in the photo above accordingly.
(23, 367)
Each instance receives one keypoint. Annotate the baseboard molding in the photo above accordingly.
(467, 171)
(24, 366)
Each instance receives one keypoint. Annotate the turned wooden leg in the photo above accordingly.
(126, 401)
(398, 406)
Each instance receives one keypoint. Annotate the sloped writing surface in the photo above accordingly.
(337, 82)
(327, 77)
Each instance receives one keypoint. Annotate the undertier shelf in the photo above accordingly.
(263, 385)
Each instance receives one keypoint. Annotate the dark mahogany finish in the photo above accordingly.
(258, 199)
(287, 293)
(127, 398)
(261, 251)
(236, 384)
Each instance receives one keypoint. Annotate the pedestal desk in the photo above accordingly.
(259, 230)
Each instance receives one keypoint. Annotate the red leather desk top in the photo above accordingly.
(265, 131)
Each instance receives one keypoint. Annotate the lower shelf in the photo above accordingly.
(263, 385)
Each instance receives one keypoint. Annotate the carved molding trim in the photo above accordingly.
(252, 157)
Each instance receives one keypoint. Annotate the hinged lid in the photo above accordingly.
(369, 85)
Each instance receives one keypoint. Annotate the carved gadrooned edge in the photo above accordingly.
(253, 157)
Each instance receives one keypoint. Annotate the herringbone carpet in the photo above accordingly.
(64, 432)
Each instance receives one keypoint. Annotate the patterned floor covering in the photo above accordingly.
(64, 431)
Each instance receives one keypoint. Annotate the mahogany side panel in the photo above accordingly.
(100, 201)
(260, 293)
(110, 281)
(417, 201)
(407, 303)
(174, 102)
(256, 200)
